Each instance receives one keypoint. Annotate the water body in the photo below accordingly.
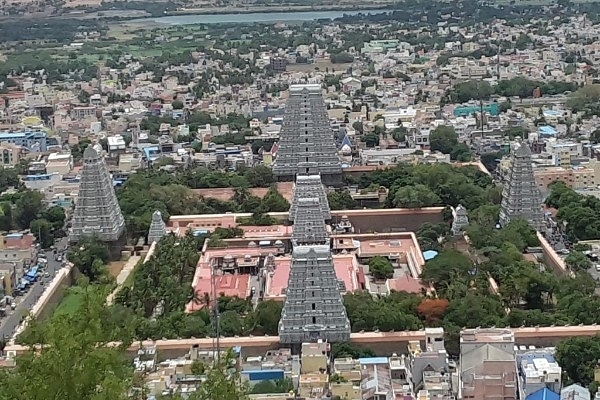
(250, 18)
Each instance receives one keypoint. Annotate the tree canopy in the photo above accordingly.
(76, 347)
(580, 212)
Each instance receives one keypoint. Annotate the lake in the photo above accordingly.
(248, 18)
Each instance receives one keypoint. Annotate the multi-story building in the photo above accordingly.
(487, 364)
(278, 64)
(32, 140)
(538, 370)
(17, 248)
(11, 154)
(57, 163)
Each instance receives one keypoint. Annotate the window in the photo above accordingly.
(314, 320)
(314, 307)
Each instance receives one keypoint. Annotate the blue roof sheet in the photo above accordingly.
(543, 394)
(546, 130)
(373, 360)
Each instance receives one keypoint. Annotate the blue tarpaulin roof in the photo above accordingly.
(546, 130)
(33, 272)
(543, 394)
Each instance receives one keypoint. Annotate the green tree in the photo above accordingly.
(278, 386)
(399, 134)
(259, 176)
(461, 152)
(273, 201)
(415, 196)
(77, 348)
(472, 311)
(345, 349)
(83, 97)
(6, 216)
(577, 261)
(55, 216)
(584, 98)
(381, 268)
(268, 314)
(89, 256)
(28, 207)
(578, 356)
(450, 266)
(9, 178)
(470, 90)
(443, 139)
(341, 200)
(595, 136)
(41, 230)
(177, 104)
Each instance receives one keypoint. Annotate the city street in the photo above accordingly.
(9, 323)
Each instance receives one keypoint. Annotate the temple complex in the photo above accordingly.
(307, 144)
(521, 197)
(97, 212)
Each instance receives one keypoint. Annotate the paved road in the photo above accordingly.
(9, 323)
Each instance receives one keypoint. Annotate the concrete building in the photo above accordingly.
(433, 359)
(116, 144)
(17, 248)
(538, 370)
(575, 392)
(307, 144)
(57, 163)
(278, 64)
(521, 197)
(33, 140)
(11, 155)
(487, 364)
(97, 211)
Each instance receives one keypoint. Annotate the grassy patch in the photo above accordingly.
(70, 303)
(75, 295)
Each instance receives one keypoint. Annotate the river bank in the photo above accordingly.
(278, 9)
(252, 17)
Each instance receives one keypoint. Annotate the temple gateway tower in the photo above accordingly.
(97, 211)
(157, 228)
(521, 197)
(313, 308)
(307, 144)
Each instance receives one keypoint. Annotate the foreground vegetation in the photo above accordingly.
(78, 364)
